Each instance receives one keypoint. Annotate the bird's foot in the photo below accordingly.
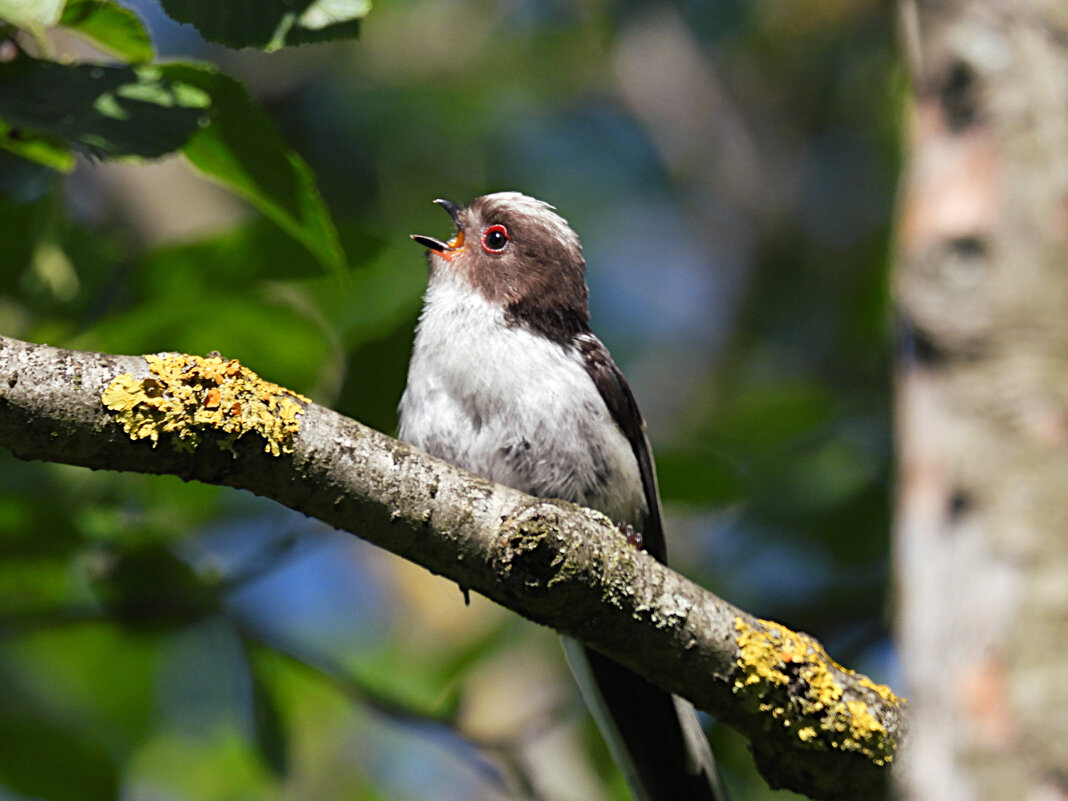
(634, 537)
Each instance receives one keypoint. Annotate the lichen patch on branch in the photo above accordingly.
(790, 679)
(186, 396)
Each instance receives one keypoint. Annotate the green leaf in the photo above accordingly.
(41, 757)
(268, 728)
(215, 765)
(26, 206)
(242, 149)
(236, 259)
(110, 27)
(194, 316)
(383, 292)
(40, 149)
(104, 111)
(323, 21)
(703, 477)
(770, 419)
(270, 24)
(32, 14)
(92, 679)
(146, 587)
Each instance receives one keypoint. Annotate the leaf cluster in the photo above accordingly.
(135, 109)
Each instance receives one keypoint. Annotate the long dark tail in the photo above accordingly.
(654, 737)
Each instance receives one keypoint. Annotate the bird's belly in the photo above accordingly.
(544, 431)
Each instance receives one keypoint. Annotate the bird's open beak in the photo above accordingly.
(457, 241)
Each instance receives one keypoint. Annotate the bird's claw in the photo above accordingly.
(634, 537)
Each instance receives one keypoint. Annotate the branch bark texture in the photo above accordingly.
(982, 290)
(814, 726)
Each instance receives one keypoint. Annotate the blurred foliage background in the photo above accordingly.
(730, 167)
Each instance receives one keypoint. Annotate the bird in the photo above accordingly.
(507, 380)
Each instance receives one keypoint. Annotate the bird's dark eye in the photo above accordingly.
(495, 239)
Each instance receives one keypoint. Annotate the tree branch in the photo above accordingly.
(814, 726)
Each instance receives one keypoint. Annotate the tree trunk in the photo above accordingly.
(982, 288)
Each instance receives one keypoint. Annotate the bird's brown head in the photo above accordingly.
(520, 254)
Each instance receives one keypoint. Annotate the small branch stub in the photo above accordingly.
(185, 396)
(789, 678)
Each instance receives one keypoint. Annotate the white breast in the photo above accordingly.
(513, 406)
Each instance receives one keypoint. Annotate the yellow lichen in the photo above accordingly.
(186, 395)
(790, 675)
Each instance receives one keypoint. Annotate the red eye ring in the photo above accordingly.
(495, 239)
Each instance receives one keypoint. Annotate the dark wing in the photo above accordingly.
(655, 738)
(624, 410)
